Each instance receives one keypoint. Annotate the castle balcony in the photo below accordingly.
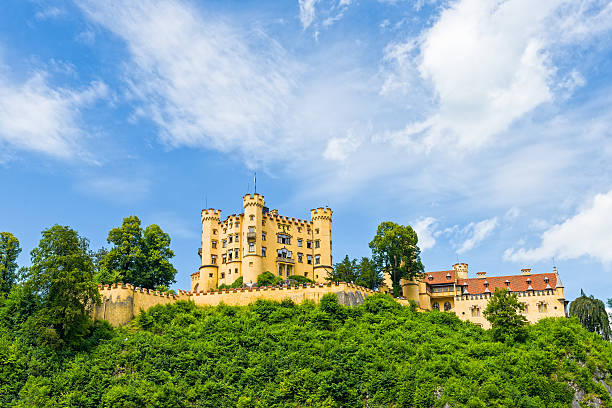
(251, 236)
(285, 260)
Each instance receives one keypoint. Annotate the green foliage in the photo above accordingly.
(140, 257)
(395, 251)
(9, 251)
(268, 279)
(300, 279)
(503, 311)
(238, 283)
(57, 296)
(592, 314)
(363, 273)
(279, 354)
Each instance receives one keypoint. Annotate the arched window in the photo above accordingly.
(447, 306)
(435, 306)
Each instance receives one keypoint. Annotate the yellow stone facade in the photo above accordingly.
(542, 294)
(259, 240)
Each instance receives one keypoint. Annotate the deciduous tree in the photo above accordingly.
(503, 311)
(61, 277)
(140, 257)
(369, 275)
(9, 251)
(592, 314)
(395, 251)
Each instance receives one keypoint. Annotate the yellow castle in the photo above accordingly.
(259, 240)
(542, 294)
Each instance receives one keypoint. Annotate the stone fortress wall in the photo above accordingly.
(122, 302)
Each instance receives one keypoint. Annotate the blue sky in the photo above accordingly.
(485, 125)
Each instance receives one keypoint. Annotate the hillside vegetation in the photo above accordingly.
(272, 354)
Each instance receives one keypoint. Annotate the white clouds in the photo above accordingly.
(588, 233)
(425, 229)
(307, 12)
(339, 149)
(202, 82)
(477, 232)
(489, 65)
(38, 117)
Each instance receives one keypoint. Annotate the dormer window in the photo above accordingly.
(546, 279)
(430, 277)
(486, 284)
(448, 276)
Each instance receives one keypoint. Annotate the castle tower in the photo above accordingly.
(321, 243)
(209, 252)
(461, 270)
(252, 261)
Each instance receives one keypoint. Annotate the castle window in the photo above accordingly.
(316, 230)
(236, 271)
(214, 232)
(224, 243)
(210, 275)
(283, 239)
(475, 311)
(263, 236)
(317, 259)
(237, 224)
(213, 259)
(283, 253)
(309, 259)
(263, 223)
(214, 244)
(229, 255)
(317, 244)
(236, 253)
(251, 229)
(263, 251)
(229, 238)
(299, 229)
(251, 217)
(280, 269)
(435, 306)
(222, 275)
(224, 258)
(300, 255)
(251, 247)
(237, 238)
(542, 308)
(225, 230)
(289, 270)
(231, 225)
(447, 306)
(308, 244)
(299, 242)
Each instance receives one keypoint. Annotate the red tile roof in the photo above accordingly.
(517, 283)
(439, 277)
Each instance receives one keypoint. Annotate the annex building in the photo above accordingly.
(259, 240)
(453, 291)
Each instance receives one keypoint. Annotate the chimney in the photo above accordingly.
(481, 275)
(526, 271)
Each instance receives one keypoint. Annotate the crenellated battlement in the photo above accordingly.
(321, 213)
(211, 214)
(122, 302)
(253, 199)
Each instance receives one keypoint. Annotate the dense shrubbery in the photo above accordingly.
(281, 354)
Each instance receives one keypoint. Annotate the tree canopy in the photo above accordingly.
(280, 354)
(503, 311)
(9, 252)
(140, 257)
(61, 286)
(395, 251)
(363, 273)
(592, 314)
